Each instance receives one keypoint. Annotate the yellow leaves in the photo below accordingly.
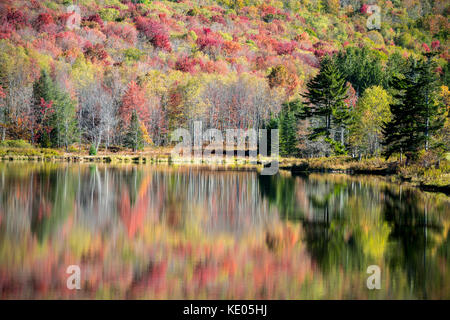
(84, 73)
(145, 134)
(445, 95)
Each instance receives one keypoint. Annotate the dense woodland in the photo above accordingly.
(136, 70)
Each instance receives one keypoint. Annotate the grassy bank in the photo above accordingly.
(432, 178)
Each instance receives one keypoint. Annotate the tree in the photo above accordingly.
(54, 116)
(65, 120)
(360, 66)
(430, 107)
(134, 99)
(43, 109)
(2, 113)
(416, 111)
(371, 111)
(134, 138)
(326, 97)
(288, 130)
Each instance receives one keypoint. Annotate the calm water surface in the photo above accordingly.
(144, 232)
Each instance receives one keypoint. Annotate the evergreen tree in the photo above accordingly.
(429, 107)
(326, 98)
(361, 67)
(43, 99)
(288, 132)
(54, 116)
(134, 138)
(415, 111)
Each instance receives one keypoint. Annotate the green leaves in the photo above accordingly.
(416, 111)
(134, 138)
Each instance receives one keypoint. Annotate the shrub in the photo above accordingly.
(185, 64)
(95, 18)
(92, 150)
(109, 14)
(155, 33)
(285, 47)
(124, 31)
(22, 144)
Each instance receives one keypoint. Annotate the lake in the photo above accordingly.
(192, 232)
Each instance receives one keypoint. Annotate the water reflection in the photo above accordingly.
(143, 232)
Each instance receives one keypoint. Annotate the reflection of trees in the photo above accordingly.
(280, 191)
(53, 201)
(352, 223)
(415, 229)
(37, 198)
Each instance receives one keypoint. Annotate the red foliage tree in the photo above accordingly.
(43, 20)
(364, 8)
(185, 64)
(125, 32)
(95, 18)
(435, 45)
(155, 33)
(285, 47)
(16, 18)
(134, 99)
(208, 41)
(96, 52)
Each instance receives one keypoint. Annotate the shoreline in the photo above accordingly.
(342, 165)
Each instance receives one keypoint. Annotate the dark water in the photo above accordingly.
(196, 233)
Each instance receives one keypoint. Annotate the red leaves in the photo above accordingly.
(364, 8)
(186, 64)
(155, 33)
(435, 45)
(96, 52)
(218, 19)
(126, 32)
(425, 47)
(16, 18)
(352, 98)
(46, 108)
(6, 31)
(44, 19)
(134, 99)
(285, 47)
(96, 19)
(208, 41)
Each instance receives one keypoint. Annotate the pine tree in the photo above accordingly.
(430, 108)
(361, 67)
(415, 111)
(43, 108)
(287, 124)
(134, 138)
(326, 96)
(54, 116)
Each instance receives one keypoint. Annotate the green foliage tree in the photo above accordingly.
(326, 98)
(55, 128)
(134, 138)
(361, 67)
(430, 107)
(416, 110)
(43, 91)
(65, 121)
(371, 111)
(288, 130)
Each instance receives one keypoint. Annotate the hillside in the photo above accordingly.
(227, 63)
